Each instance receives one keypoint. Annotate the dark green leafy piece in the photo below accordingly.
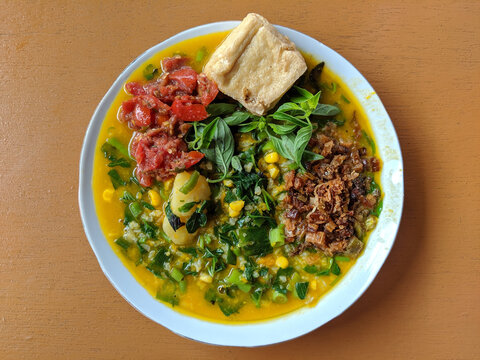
(148, 206)
(157, 266)
(149, 72)
(116, 179)
(370, 142)
(124, 244)
(149, 229)
(378, 208)
(315, 75)
(198, 219)
(219, 109)
(173, 219)
(187, 206)
(237, 118)
(255, 241)
(301, 289)
(127, 197)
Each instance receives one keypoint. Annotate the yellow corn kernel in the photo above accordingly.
(273, 171)
(228, 183)
(272, 157)
(282, 262)
(168, 184)
(313, 285)
(108, 194)
(205, 278)
(154, 197)
(237, 205)
(233, 213)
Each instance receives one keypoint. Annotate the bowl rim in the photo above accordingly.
(270, 331)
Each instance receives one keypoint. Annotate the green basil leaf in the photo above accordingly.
(219, 109)
(304, 93)
(237, 118)
(244, 128)
(326, 110)
(236, 164)
(207, 135)
(282, 129)
(301, 142)
(290, 118)
(224, 148)
(309, 156)
(288, 106)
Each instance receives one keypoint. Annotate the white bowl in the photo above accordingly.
(302, 321)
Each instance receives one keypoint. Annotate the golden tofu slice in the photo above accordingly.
(255, 64)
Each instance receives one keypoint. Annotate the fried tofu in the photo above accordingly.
(255, 64)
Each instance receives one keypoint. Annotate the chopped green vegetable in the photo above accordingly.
(150, 71)
(176, 274)
(190, 183)
(116, 179)
(117, 144)
(173, 219)
(378, 209)
(135, 209)
(344, 99)
(198, 219)
(370, 142)
(276, 236)
(122, 243)
(301, 289)
(187, 206)
(201, 54)
(278, 297)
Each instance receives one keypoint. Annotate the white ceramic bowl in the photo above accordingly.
(300, 322)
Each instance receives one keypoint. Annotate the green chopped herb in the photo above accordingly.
(190, 183)
(124, 244)
(201, 53)
(173, 219)
(344, 99)
(135, 209)
(116, 179)
(187, 206)
(150, 71)
(370, 142)
(301, 289)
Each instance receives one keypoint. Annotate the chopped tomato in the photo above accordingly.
(207, 89)
(186, 110)
(174, 63)
(129, 105)
(135, 88)
(192, 158)
(160, 155)
(142, 115)
(185, 78)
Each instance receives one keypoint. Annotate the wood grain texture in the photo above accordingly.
(57, 60)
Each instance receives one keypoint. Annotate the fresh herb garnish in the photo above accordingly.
(117, 181)
(173, 219)
(301, 289)
(198, 219)
(150, 71)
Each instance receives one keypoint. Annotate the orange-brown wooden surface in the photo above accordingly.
(57, 60)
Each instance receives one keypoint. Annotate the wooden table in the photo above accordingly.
(57, 61)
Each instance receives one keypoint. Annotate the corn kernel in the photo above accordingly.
(168, 184)
(233, 213)
(282, 262)
(272, 157)
(108, 194)
(273, 171)
(313, 285)
(205, 278)
(237, 205)
(228, 183)
(154, 197)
